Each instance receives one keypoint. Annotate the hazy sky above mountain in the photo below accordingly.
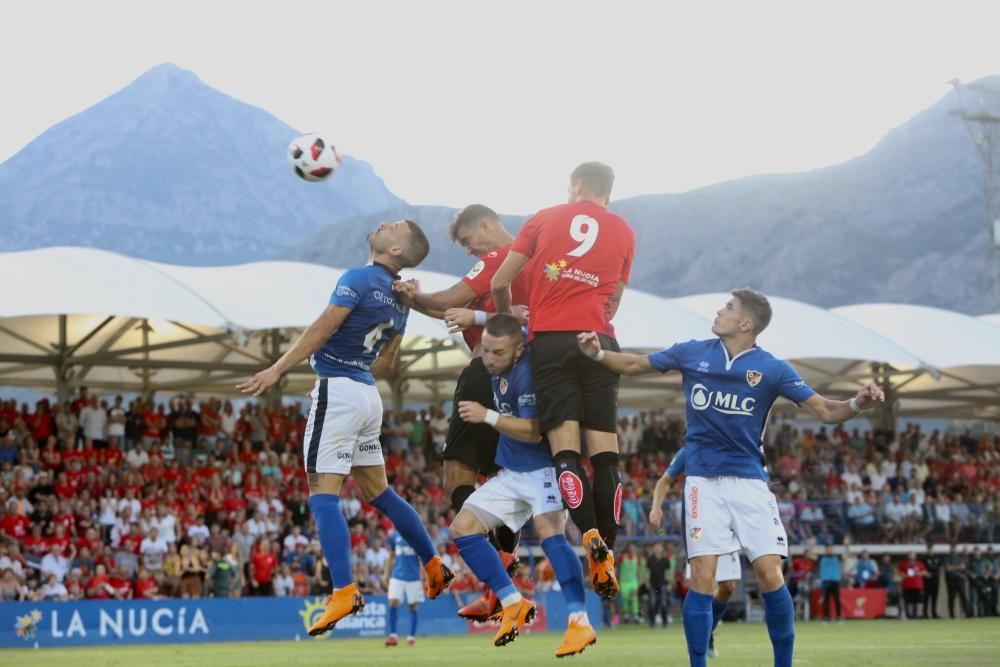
(454, 102)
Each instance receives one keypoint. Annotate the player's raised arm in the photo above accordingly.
(829, 411)
(307, 344)
(504, 277)
(436, 303)
(519, 428)
(620, 362)
(386, 358)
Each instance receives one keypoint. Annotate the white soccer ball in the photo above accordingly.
(313, 158)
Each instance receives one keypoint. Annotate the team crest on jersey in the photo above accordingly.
(754, 378)
(696, 534)
(503, 385)
(476, 270)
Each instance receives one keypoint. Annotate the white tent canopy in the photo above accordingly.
(123, 324)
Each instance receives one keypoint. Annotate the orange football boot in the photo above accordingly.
(578, 637)
(602, 564)
(514, 618)
(346, 601)
(487, 607)
(439, 576)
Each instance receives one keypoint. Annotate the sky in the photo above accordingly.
(496, 102)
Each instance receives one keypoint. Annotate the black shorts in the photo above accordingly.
(474, 445)
(572, 387)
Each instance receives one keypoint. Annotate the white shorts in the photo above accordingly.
(345, 422)
(727, 569)
(726, 514)
(514, 497)
(409, 592)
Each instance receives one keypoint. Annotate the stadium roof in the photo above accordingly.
(117, 323)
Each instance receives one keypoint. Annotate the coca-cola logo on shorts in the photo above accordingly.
(571, 488)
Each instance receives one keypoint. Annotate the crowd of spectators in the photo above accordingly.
(106, 499)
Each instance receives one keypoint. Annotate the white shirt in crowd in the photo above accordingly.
(291, 540)
(137, 457)
(350, 507)
(439, 429)
(377, 557)
(54, 592)
(133, 504)
(257, 528)
(116, 430)
(152, 552)
(198, 532)
(265, 505)
(167, 526)
(228, 423)
(284, 585)
(94, 422)
(53, 564)
(6, 563)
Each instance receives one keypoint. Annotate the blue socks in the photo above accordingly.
(407, 522)
(413, 623)
(779, 612)
(697, 625)
(568, 571)
(718, 609)
(484, 561)
(334, 537)
(393, 619)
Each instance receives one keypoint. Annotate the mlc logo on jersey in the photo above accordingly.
(728, 404)
(754, 378)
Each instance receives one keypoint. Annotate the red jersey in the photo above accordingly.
(15, 526)
(144, 585)
(581, 251)
(911, 571)
(479, 277)
(96, 587)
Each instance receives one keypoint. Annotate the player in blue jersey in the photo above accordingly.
(402, 572)
(354, 339)
(728, 570)
(730, 385)
(525, 487)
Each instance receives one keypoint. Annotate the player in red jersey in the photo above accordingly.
(471, 448)
(581, 257)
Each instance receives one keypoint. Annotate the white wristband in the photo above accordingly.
(491, 418)
(480, 318)
(598, 356)
(853, 405)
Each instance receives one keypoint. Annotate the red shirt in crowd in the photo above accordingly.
(96, 587)
(579, 253)
(15, 526)
(912, 571)
(145, 588)
(122, 585)
(263, 566)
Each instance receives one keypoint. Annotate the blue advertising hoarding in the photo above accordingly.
(91, 622)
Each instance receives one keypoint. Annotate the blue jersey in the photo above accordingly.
(406, 566)
(676, 466)
(728, 403)
(514, 395)
(376, 317)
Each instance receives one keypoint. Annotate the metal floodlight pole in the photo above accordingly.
(981, 119)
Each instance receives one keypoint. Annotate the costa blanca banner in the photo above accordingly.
(47, 624)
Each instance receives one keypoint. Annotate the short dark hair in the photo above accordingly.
(470, 215)
(757, 305)
(596, 177)
(417, 247)
(503, 324)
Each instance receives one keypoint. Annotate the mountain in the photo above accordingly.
(902, 223)
(173, 170)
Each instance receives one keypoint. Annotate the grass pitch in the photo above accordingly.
(854, 643)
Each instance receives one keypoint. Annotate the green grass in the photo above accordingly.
(964, 642)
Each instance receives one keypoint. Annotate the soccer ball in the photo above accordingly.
(313, 158)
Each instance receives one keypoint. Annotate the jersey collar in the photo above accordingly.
(725, 352)
(392, 273)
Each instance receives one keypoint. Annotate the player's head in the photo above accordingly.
(747, 313)
(475, 229)
(591, 181)
(502, 343)
(403, 241)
